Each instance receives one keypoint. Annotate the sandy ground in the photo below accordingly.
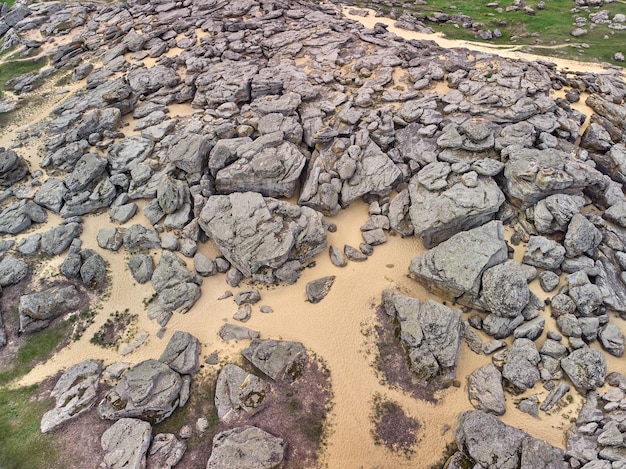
(333, 328)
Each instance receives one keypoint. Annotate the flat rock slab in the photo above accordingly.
(455, 267)
(278, 359)
(237, 392)
(125, 444)
(150, 390)
(75, 393)
(247, 448)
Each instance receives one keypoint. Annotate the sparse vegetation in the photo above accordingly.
(392, 427)
(116, 327)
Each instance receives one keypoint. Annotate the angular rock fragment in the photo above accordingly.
(278, 359)
(316, 290)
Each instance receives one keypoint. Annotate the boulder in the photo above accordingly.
(128, 153)
(237, 392)
(12, 168)
(505, 290)
(436, 216)
(253, 232)
(125, 444)
(182, 353)
(93, 270)
(150, 391)
(87, 170)
(19, 216)
(581, 236)
(455, 267)
(586, 368)
(488, 442)
(278, 359)
(12, 270)
(141, 267)
(316, 290)
(38, 309)
(165, 451)
(234, 332)
(51, 194)
(520, 368)
(554, 213)
(75, 393)
(140, 237)
(485, 390)
(57, 240)
(430, 333)
(110, 238)
(612, 339)
(191, 153)
(247, 448)
(543, 253)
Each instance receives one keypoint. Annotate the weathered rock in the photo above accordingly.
(489, 442)
(141, 267)
(543, 253)
(110, 238)
(278, 359)
(12, 271)
(238, 391)
(93, 270)
(235, 332)
(248, 297)
(586, 368)
(337, 257)
(17, 217)
(437, 216)
(57, 240)
(204, 265)
(554, 213)
(128, 153)
(75, 394)
(555, 396)
(150, 390)
(165, 451)
(12, 168)
(581, 236)
(399, 217)
(431, 333)
(140, 237)
(316, 290)
(191, 153)
(51, 194)
(125, 444)
(505, 290)
(182, 353)
(520, 368)
(38, 309)
(87, 170)
(247, 448)
(612, 339)
(485, 390)
(253, 232)
(455, 267)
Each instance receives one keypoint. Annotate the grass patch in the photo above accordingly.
(14, 68)
(36, 348)
(21, 444)
(114, 329)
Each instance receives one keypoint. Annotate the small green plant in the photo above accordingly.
(112, 331)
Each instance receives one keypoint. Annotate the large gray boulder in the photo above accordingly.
(51, 194)
(431, 333)
(520, 368)
(128, 153)
(145, 80)
(505, 290)
(543, 253)
(38, 309)
(531, 174)
(272, 171)
(75, 393)
(488, 442)
(125, 444)
(485, 390)
(316, 290)
(12, 168)
(191, 153)
(247, 448)
(554, 213)
(165, 451)
(278, 359)
(150, 391)
(12, 270)
(58, 239)
(88, 169)
(182, 353)
(18, 216)
(437, 215)
(586, 368)
(581, 237)
(253, 232)
(238, 392)
(455, 267)
(140, 237)
(141, 267)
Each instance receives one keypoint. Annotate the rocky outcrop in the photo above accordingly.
(237, 392)
(256, 233)
(278, 359)
(182, 353)
(430, 333)
(247, 448)
(455, 267)
(125, 444)
(75, 394)
(38, 309)
(150, 391)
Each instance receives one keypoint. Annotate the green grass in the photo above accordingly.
(36, 348)
(14, 68)
(540, 32)
(21, 443)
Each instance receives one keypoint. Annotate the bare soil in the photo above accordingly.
(392, 427)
